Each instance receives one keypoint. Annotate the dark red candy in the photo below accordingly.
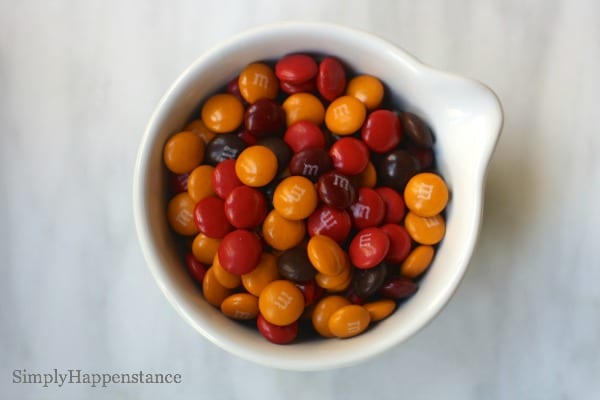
(302, 135)
(245, 207)
(394, 205)
(277, 334)
(247, 137)
(336, 190)
(223, 147)
(311, 163)
(395, 169)
(282, 151)
(234, 88)
(179, 182)
(416, 130)
(368, 248)
(350, 155)
(382, 131)
(294, 265)
(196, 269)
(400, 243)
(264, 117)
(329, 221)
(210, 219)
(296, 68)
(291, 88)
(424, 155)
(368, 210)
(366, 282)
(311, 292)
(240, 251)
(398, 288)
(354, 298)
(331, 78)
(224, 178)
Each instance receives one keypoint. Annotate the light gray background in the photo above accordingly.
(78, 81)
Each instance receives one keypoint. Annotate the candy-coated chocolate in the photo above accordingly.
(382, 131)
(240, 306)
(417, 261)
(331, 78)
(197, 126)
(180, 214)
(245, 207)
(223, 147)
(396, 168)
(295, 198)
(225, 278)
(256, 166)
(178, 182)
(248, 138)
(336, 190)
(294, 265)
(200, 182)
(349, 321)
(214, 293)
(303, 106)
(240, 251)
(424, 156)
(303, 135)
(329, 221)
(205, 248)
(350, 156)
(416, 130)
(291, 88)
(324, 310)
(224, 178)
(183, 152)
(368, 248)
(366, 88)
(399, 288)
(257, 81)
(367, 178)
(335, 283)
(394, 205)
(233, 88)
(222, 113)
(400, 242)
(196, 268)
(282, 233)
(264, 117)
(311, 291)
(210, 219)
(426, 194)
(281, 302)
(345, 115)
(365, 282)
(326, 255)
(282, 151)
(296, 68)
(277, 334)
(368, 210)
(425, 230)
(311, 163)
(380, 309)
(265, 272)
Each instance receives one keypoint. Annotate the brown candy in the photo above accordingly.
(416, 130)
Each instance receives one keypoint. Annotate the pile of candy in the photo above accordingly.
(294, 184)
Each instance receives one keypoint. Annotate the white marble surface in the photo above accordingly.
(79, 79)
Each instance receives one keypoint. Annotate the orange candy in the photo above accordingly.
(225, 278)
(281, 302)
(258, 81)
(323, 312)
(417, 261)
(426, 194)
(205, 248)
(367, 89)
(200, 183)
(183, 152)
(303, 106)
(367, 178)
(380, 309)
(295, 198)
(256, 166)
(180, 214)
(197, 126)
(213, 291)
(326, 255)
(345, 115)
(335, 283)
(265, 272)
(425, 230)
(222, 113)
(240, 306)
(282, 233)
(349, 321)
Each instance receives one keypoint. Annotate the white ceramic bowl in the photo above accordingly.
(465, 116)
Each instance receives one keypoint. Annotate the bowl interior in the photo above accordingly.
(464, 115)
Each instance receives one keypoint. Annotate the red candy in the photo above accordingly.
(245, 207)
(224, 178)
(296, 68)
(311, 291)
(330, 222)
(400, 242)
(350, 155)
(240, 251)
(394, 205)
(247, 137)
(368, 210)
(331, 78)
(382, 131)
(303, 135)
(277, 334)
(368, 248)
(209, 217)
(398, 289)
(291, 88)
(196, 269)
(179, 182)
